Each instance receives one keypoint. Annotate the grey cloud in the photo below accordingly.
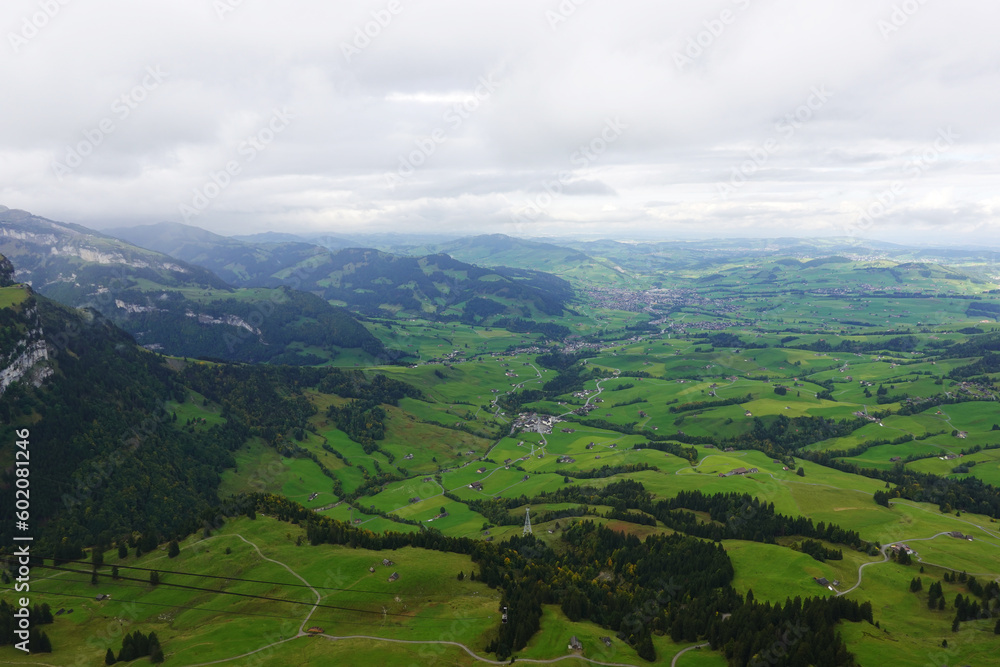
(366, 107)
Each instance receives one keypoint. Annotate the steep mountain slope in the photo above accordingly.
(176, 307)
(75, 264)
(22, 348)
(105, 456)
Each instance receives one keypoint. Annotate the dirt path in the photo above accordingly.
(472, 654)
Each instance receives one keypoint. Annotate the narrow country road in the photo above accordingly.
(885, 558)
(673, 663)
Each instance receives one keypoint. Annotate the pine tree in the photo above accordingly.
(122, 551)
(155, 651)
(154, 578)
(174, 549)
(126, 654)
(645, 649)
(109, 657)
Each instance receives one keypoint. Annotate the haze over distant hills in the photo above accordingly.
(171, 305)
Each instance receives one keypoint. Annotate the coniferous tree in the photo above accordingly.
(645, 648)
(155, 651)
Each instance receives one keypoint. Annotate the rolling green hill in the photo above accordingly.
(497, 250)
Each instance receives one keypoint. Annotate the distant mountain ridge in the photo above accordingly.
(174, 306)
(46, 252)
(496, 250)
(371, 282)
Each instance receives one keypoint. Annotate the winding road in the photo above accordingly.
(885, 559)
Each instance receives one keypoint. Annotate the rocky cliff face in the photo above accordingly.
(6, 272)
(24, 364)
(51, 255)
(22, 345)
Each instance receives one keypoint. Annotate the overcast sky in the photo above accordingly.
(703, 118)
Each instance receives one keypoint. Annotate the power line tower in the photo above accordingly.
(527, 522)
